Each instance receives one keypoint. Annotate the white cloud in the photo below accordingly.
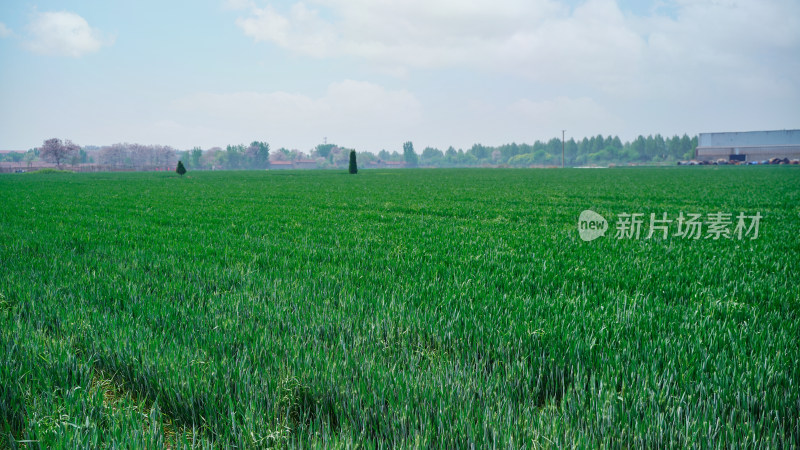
(369, 112)
(5, 31)
(301, 29)
(722, 46)
(592, 45)
(64, 33)
(408, 33)
(596, 44)
(539, 39)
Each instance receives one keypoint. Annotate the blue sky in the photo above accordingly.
(372, 74)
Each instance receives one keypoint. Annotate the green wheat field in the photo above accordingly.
(406, 308)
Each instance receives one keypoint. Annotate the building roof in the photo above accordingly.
(749, 145)
(750, 138)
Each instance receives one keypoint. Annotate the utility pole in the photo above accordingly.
(562, 148)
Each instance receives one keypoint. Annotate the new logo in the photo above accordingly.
(591, 225)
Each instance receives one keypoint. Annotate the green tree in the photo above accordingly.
(571, 150)
(584, 148)
(688, 146)
(194, 157)
(323, 150)
(479, 151)
(660, 147)
(258, 155)
(180, 170)
(638, 146)
(598, 143)
(467, 159)
(522, 160)
(432, 156)
(235, 156)
(353, 166)
(29, 157)
(14, 156)
(451, 155)
(83, 157)
(409, 156)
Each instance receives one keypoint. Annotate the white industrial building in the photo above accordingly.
(749, 145)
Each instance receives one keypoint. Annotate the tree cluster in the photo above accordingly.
(323, 156)
(255, 156)
(596, 150)
(137, 156)
(588, 151)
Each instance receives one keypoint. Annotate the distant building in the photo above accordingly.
(381, 164)
(279, 165)
(749, 146)
(296, 164)
(305, 164)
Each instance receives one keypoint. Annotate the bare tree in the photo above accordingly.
(54, 150)
(164, 156)
(114, 155)
(138, 156)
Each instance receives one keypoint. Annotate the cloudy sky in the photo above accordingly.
(372, 74)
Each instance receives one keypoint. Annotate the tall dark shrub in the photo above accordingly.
(180, 170)
(353, 165)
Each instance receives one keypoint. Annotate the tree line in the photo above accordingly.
(595, 150)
